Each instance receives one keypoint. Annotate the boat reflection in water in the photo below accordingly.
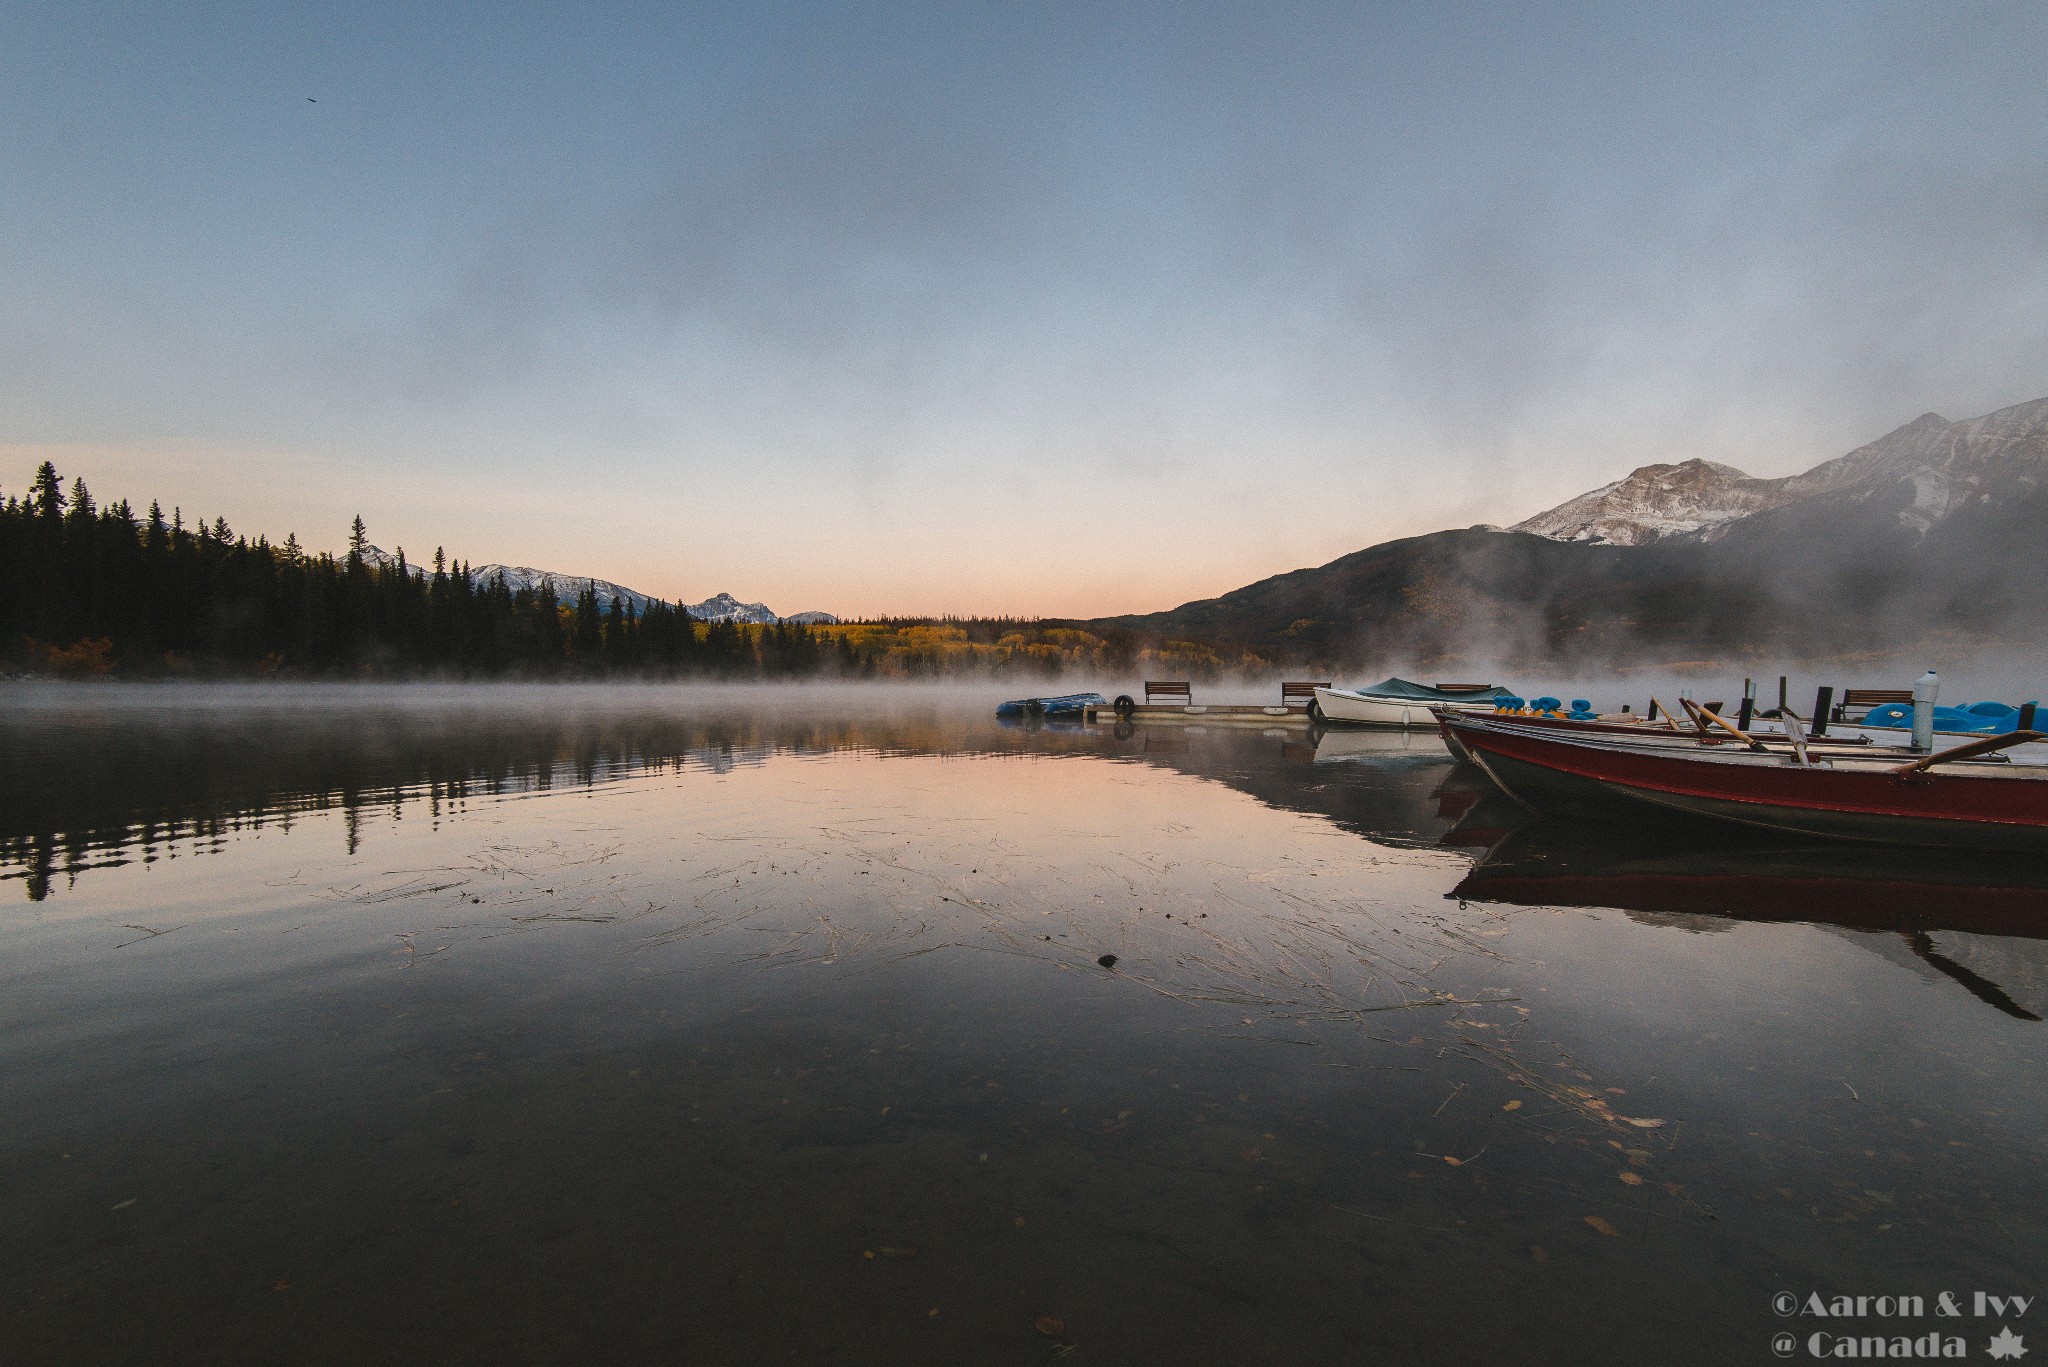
(1978, 919)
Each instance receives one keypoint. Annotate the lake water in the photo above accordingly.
(731, 1027)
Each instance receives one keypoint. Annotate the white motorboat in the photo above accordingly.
(1397, 702)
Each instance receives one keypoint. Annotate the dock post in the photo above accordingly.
(1748, 705)
(1823, 703)
(1781, 693)
(2026, 717)
(1925, 690)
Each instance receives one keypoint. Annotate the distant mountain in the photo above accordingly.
(722, 607)
(1696, 498)
(568, 588)
(1947, 463)
(1936, 530)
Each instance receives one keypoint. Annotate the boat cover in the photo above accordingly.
(1066, 705)
(1415, 692)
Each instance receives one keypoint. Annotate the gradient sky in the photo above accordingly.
(1030, 308)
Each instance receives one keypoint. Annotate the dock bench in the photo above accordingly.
(1155, 688)
(1860, 700)
(1302, 691)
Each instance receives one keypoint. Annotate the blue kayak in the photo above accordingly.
(1067, 705)
(1972, 719)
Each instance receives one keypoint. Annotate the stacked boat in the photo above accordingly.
(1946, 791)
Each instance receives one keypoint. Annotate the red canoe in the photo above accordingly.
(1964, 802)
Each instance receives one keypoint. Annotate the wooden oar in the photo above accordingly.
(1969, 750)
(1798, 735)
(1666, 718)
(1701, 717)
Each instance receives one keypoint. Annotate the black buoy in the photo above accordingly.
(1107, 961)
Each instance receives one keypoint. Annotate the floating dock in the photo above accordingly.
(1206, 714)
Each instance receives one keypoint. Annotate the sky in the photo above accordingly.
(1027, 309)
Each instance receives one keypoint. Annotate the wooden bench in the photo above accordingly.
(1301, 691)
(1860, 700)
(1157, 689)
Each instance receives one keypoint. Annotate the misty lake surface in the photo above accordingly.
(728, 1026)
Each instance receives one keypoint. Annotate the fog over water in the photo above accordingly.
(844, 1024)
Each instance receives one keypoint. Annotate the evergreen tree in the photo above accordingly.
(589, 631)
(46, 494)
(82, 510)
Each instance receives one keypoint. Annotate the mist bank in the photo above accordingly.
(1453, 600)
(1930, 541)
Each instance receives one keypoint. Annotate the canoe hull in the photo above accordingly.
(1346, 708)
(1848, 801)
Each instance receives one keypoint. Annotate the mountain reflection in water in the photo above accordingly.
(553, 1024)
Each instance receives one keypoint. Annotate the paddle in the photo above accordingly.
(1968, 750)
(1798, 735)
(1656, 707)
(1701, 716)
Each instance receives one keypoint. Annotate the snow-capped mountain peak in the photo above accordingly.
(1920, 473)
(568, 588)
(723, 607)
(1691, 499)
(720, 607)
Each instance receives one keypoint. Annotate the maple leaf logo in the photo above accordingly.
(2007, 1344)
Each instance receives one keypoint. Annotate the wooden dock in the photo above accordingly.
(1206, 714)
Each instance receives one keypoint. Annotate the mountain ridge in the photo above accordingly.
(1702, 500)
(719, 607)
(1935, 530)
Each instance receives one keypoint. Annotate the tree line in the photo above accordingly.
(96, 589)
(90, 589)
